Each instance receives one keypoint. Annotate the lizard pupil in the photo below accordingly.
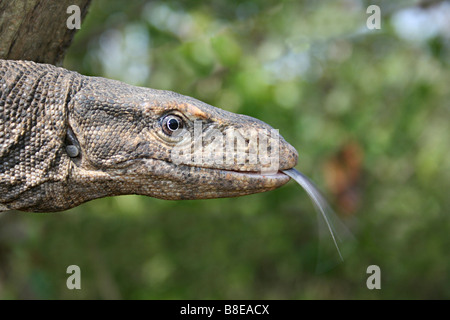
(173, 124)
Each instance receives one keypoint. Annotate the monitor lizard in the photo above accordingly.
(66, 138)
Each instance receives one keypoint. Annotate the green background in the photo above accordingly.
(311, 69)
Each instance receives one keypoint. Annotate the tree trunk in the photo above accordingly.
(36, 30)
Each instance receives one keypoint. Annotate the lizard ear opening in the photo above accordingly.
(72, 145)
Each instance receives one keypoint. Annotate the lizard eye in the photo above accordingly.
(171, 124)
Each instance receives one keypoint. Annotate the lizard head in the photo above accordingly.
(133, 140)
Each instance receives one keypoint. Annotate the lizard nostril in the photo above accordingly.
(289, 157)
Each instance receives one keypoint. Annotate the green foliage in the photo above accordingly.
(310, 69)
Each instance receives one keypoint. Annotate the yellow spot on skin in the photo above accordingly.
(189, 109)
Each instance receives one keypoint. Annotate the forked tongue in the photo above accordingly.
(320, 204)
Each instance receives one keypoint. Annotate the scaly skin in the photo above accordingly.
(66, 139)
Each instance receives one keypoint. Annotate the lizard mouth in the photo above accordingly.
(205, 183)
(192, 182)
(237, 176)
(166, 180)
(255, 174)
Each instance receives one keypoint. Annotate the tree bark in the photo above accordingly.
(36, 30)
